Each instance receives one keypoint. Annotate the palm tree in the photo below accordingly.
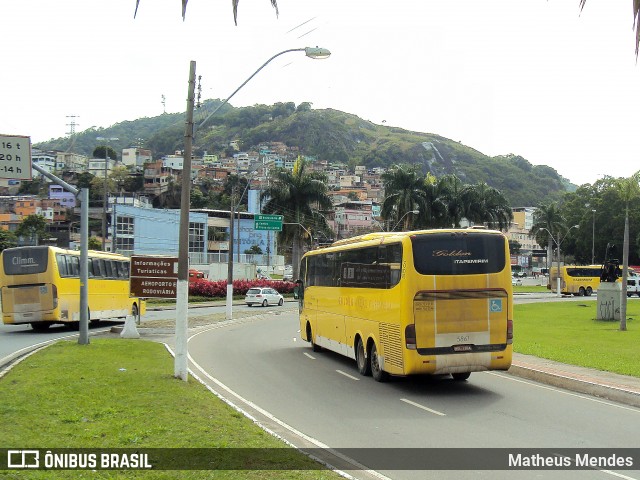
(435, 213)
(636, 19)
(486, 205)
(294, 195)
(451, 191)
(404, 192)
(234, 5)
(629, 190)
(547, 222)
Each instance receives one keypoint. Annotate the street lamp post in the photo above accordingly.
(105, 195)
(415, 212)
(315, 53)
(558, 242)
(593, 238)
(182, 300)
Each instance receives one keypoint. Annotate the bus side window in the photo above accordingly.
(73, 265)
(109, 269)
(62, 264)
(123, 270)
(98, 267)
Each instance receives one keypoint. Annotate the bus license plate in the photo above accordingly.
(462, 348)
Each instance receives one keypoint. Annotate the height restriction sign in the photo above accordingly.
(15, 157)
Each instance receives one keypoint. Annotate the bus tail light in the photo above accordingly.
(54, 292)
(410, 336)
(509, 331)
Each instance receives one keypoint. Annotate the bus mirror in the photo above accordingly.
(296, 293)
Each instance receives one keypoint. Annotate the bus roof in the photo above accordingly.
(374, 238)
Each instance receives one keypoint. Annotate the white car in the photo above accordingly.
(516, 281)
(263, 296)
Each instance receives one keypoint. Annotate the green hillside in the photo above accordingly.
(329, 135)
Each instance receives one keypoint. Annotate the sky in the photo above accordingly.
(535, 78)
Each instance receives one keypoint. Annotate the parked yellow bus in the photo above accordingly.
(421, 302)
(41, 286)
(575, 279)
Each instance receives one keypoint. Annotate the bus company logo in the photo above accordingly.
(23, 459)
(451, 253)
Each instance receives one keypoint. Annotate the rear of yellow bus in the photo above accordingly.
(29, 291)
(462, 308)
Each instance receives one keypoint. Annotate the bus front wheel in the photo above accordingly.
(378, 374)
(460, 377)
(364, 367)
(134, 310)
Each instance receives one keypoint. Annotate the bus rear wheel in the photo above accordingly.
(378, 374)
(582, 292)
(364, 367)
(589, 291)
(314, 347)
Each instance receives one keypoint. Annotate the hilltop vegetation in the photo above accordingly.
(330, 135)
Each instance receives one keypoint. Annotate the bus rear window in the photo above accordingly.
(23, 261)
(458, 253)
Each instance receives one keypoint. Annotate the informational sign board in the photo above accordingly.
(153, 277)
(268, 222)
(15, 157)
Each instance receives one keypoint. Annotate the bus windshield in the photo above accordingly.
(457, 254)
(24, 261)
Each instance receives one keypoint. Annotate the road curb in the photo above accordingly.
(608, 392)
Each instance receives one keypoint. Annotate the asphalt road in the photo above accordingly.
(262, 362)
(319, 399)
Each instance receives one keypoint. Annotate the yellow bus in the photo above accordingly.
(41, 286)
(575, 279)
(421, 302)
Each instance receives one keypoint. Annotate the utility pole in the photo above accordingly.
(182, 292)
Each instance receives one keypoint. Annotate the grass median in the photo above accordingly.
(117, 393)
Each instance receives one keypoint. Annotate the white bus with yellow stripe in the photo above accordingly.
(404, 303)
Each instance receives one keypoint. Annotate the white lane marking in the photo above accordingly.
(423, 407)
(270, 416)
(564, 392)
(347, 375)
(309, 355)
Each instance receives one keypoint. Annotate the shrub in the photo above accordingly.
(218, 288)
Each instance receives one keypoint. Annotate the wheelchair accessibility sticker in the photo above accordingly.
(495, 305)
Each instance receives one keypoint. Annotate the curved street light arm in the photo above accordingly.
(310, 52)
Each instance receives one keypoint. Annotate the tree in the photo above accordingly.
(94, 244)
(102, 150)
(30, 187)
(636, 19)
(451, 192)
(119, 176)
(234, 5)
(254, 250)
(486, 205)
(296, 195)
(33, 227)
(435, 214)
(629, 190)
(404, 192)
(547, 223)
(7, 239)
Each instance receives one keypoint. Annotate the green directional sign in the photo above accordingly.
(268, 222)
